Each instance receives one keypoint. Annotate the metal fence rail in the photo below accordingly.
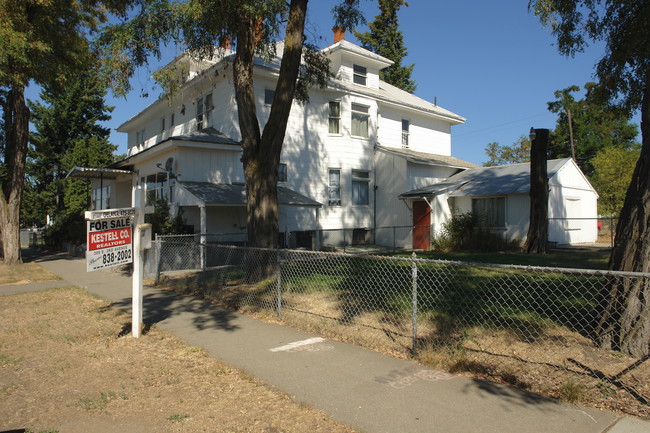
(529, 326)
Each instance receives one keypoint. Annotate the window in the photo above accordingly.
(171, 120)
(334, 188)
(360, 187)
(157, 186)
(162, 124)
(360, 75)
(199, 114)
(102, 198)
(268, 96)
(491, 211)
(282, 172)
(405, 132)
(360, 119)
(139, 137)
(335, 117)
(209, 106)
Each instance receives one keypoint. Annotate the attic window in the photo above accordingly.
(360, 75)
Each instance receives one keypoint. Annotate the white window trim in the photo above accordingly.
(329, 185)
(357, 179)
(362, 75)
(366, 114)
(330, 117)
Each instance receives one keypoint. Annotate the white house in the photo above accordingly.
(347, 155)
(501, 196)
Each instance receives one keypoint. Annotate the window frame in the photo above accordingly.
(199, 114)
(101, 196)
(334, 188)
(334, 118)
(360, 116)
(269, 94)
(360, 178)
(493, 215)
(282, 172)
(359, 75)
(406, 133)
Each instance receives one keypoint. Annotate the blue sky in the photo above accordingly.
(491, 62)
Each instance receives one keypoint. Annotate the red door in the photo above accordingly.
(421, 225)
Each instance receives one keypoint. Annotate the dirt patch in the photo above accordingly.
(25, 273)
(67, 364)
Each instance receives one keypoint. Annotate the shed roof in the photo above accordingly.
(483, 181)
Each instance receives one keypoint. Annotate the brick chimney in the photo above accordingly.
(339, 33)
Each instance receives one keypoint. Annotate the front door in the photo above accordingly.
(421, 225)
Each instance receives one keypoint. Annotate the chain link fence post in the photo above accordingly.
(414, 301)
(278, 282)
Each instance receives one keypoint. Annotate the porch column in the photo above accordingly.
(204, 230)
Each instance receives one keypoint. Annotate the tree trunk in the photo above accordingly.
(16, 117)
(624, 308)
(537, 238)
(261, 152)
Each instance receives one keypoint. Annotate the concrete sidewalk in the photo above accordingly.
(355, 386)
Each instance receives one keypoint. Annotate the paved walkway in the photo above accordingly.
(366, 390)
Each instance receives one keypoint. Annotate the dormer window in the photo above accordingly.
(360, 75)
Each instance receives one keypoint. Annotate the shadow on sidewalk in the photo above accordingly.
(161, 306)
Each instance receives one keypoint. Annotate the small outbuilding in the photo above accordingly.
(500, 195)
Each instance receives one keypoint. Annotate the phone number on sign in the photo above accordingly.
(108, 257)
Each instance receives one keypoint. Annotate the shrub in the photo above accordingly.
(464, 232)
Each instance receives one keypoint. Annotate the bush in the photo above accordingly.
(67, 228)
(463, 232)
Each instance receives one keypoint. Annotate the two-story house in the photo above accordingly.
(348, 154)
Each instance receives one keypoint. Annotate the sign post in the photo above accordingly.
(111, 242)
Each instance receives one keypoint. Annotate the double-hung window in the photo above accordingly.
(335, 117)
(360, 187)
(359, 75)
(282, 172)
(199, 114)
(405, 132)
(491, 211)
(102, 198)
(334, 187)
(360, 120)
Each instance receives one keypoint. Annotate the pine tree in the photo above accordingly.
(67, 133)
(385, 39)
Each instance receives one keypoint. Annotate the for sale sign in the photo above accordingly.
(109, 242)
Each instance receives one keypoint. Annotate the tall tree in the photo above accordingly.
(251, 25)
(624, 79)
(386, 39)
(504, 155)
(40, 42)
(67, 133)
(613, 168)
(588, 125)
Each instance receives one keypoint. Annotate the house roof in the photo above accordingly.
(428, 158)
(482, 181)
(235, 194)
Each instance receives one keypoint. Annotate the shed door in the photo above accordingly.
(421, 225)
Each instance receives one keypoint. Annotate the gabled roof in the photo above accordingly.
(235, 194)
(483, 181)
(428, 158)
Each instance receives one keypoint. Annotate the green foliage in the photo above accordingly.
(502, 155)
(67, 228)
(613, 169)
(67, 133)
(594, 124)
(385, 39)
(163, 223)
(464, 232)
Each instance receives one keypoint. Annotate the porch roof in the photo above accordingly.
(235, 194)
(97, 173)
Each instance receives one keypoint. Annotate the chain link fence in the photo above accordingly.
(529, 326)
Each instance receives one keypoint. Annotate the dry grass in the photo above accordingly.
(25, 273)
(66, 366)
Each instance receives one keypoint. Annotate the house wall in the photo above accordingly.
(425, 134)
